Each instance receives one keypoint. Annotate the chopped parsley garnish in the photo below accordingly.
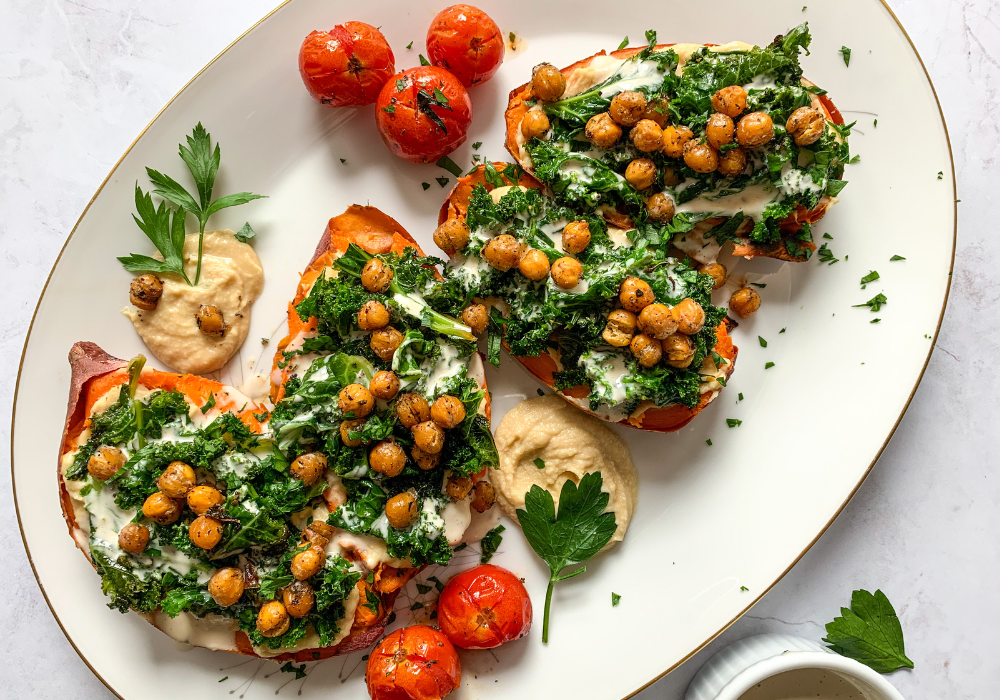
(763, 343)
(740, 397)
(425, 185)
(289, 667)
(477, 144)
(576, 533)
(209, 405)
(782, 330)
(245, 234)
(709, 442)
(539, 462)
(391, 109)
(424, 61)
(827, 236)
(874, 320)
(490, 544)
(615, 598)
(744, 589)
(410, 45)
(768, 365)
(423, 588)
(734, 422)
(623, 44)
(869, 632)
(940, 174)
(449, 165)
(875, 123)
(442, 181)
(759, 284)
(846, 52)
(870, 277)
(875, 303)
(825, 255)
(894, 258)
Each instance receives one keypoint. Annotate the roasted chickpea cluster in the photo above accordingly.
(653, 331)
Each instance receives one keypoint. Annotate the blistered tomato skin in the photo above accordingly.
(347, 65)
(423, 114)
(466, 41)
(413, 663)
(484, 607)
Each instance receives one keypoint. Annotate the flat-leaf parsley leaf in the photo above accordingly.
(869, 632)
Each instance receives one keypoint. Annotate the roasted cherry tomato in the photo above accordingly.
(484, 607)
(347, 65)
(413, 663)
(466, 41)
(423, 113)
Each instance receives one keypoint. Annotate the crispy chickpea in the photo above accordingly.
(211, 321)
(356, 399)
(384, 385)
(720, 130)
(620, 328)
(458, 487)
(690, 316)
(657, 321)
(636, 294)
(647, 136)
(627, 107)
(566, 272)
(534, 265)
(424, 460)
(273, 620)
(641, 173)
(744, 302)
(476, 317)
(647, 350)
(602, 131)
(755, 129)
(133, 538)
(105, 462)
(806, 125)
(226, 586)
(733, 162)
(318, 533)
(717, 271)
(162, 509)
(730, 101)
(576, 237)
(201, 498)
(452, 235)
(308, 468)
(145, 292)
(352, 425)
(547, 82)
(679, 350)
(483, 496)
(387, 458)
(447, 411)
(660, 207)
(412, 409)
(205, 532)
(428, 436)
(502, 252)
(656, 109)
(372, 316)
(298, 598)
(384, 342)
(308, 563)
(534, 125)
(674, 138)
(401, 510)
(700, 157)
(376, 276)
(176, 480)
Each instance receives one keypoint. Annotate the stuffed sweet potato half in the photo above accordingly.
(172, 488)
(595, 311)
(699, 144)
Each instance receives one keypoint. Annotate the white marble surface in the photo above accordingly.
(79, 79)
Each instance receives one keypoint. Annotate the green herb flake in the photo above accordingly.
(224, 678)
(416, 606)
(477, 145)
(828, 236)
(299, 671)
(869, 632)
(875, 124)
(423, 588)
(410, 45)
(490, 544)
(874, 320)
(425, 185)
(709, 442)
(768, 365)
(825, 255)
(870, 277)
(759, 284)
(734, 422)
(209, 405)
(245, 234)
(623, 44)
(579, 530)
(442, 181)
(894, 258)
(615, 598)
(763, 343)
(940, 174)
(740, 397)
(847, 55)
(539, 462)
(744, 589)
(449, 165)
(782, 330)
(512, 37)
(875, 303)
(424, 61)
(391, 109)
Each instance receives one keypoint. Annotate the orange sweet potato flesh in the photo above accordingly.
(663, 419)
(517, 107)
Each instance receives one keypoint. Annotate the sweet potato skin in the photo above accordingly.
(665, 419)
(517, 107)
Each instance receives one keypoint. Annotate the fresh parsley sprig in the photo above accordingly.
(579, 531)
(869, 632)
(166, 231)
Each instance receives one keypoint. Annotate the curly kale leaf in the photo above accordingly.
(114, 426)
(125, 589)
(580, 180)
(137, 478)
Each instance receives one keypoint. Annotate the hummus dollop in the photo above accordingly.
(571, 444)
(231, 279)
